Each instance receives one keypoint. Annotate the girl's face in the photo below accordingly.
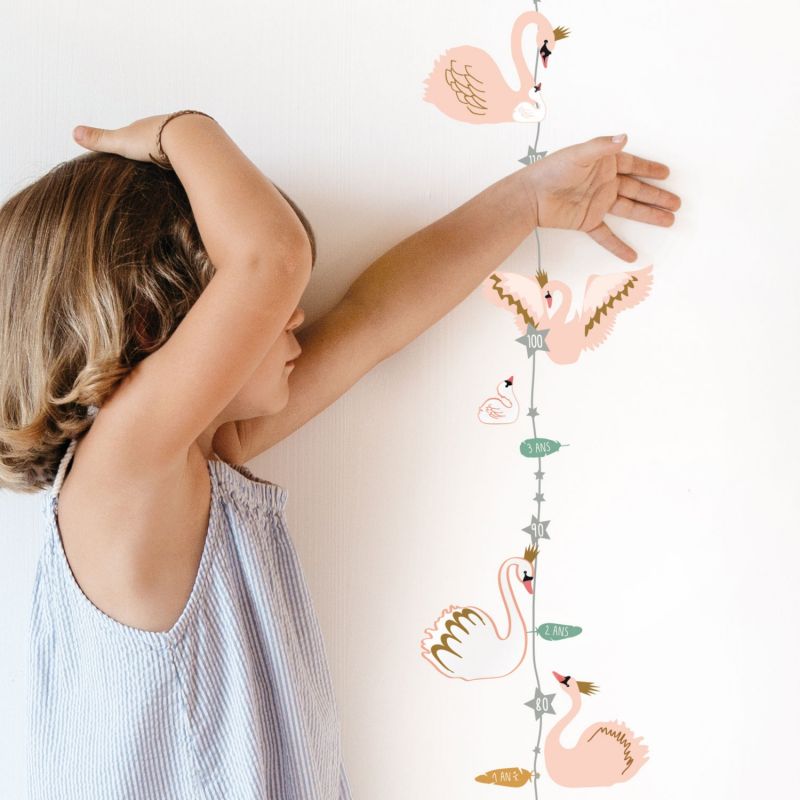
(267, 390)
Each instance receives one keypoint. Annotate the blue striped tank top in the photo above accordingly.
(235, 701)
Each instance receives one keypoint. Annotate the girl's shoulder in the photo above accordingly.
(133, 538)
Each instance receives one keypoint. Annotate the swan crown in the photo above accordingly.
(586, 687)
(560, 33)
(530, 553)
(541, 276)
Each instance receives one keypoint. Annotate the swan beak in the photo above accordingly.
(528, 584)
(559, 678)
(549, 299)
(544, 61)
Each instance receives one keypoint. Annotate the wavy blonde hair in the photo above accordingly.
(100, 260)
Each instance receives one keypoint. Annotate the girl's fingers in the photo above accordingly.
(628, 164)
(604, 236)
(625, 207)
(93, 138)
(646, 193)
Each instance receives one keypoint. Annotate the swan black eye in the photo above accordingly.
(566, 680)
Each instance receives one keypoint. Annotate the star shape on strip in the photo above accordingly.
(539, 475)
(533, 155)
(535, 526)
(539, 497)
(533, 412)
(541, 703)
(531, 339)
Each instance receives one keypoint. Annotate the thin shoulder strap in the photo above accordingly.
(62, 468)
(91, 411)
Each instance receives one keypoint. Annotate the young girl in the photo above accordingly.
(147, 347)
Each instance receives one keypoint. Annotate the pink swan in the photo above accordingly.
(531, 302)
(467, 85)
(607, 752)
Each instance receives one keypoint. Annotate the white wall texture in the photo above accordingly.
(675, 534)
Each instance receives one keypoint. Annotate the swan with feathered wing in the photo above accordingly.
(465, 642)
(531, 302)
(466, 83)
(607, 752)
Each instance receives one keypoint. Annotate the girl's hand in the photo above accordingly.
(575, 187)
(135, 141)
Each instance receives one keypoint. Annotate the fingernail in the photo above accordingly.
(618, 138)
(79, 132)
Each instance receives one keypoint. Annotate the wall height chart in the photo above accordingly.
(467, 642)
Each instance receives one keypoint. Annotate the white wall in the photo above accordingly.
(675, 509)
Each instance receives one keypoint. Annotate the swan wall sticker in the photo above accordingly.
(464, 642)
(531, 303)
(467, 85)
(607, 752)
(503, 409)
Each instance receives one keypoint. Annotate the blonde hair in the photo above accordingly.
(100, 260)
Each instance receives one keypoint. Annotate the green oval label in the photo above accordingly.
(553, 632)
(539, 448)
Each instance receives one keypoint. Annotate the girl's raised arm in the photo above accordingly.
(262, 259)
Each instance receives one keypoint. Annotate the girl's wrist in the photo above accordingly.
(174, 129)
